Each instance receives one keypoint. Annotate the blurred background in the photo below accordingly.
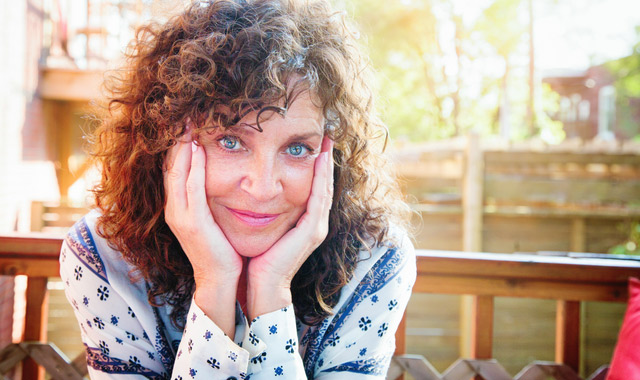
(548, 91)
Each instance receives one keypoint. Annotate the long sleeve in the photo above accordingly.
(279, 358)
(359, 341)
(125, 337)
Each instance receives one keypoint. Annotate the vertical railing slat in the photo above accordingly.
(568, 333)
(401, 340)
(482, 327)
(35, 325)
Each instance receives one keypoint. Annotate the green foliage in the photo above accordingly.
(441, 73)
(632, 245)
(626, 75)
(551, 131)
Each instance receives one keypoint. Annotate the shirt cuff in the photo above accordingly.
(207, 351)
(277, 335)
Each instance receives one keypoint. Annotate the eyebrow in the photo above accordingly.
(244, 129)
(305, 136)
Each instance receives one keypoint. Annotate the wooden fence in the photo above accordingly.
(569, 280)
(488, 195)
(477, 188)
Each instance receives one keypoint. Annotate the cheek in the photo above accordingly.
(218, 178)
(297, 185)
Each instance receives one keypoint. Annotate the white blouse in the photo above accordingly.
(126, 337)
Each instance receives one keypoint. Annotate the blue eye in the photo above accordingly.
(297, 149)
(229, 142)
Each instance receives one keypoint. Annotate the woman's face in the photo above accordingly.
(258, 183)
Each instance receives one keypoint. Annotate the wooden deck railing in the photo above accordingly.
(569, 280)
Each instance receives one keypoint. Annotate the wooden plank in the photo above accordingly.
(535, 209)
(567, 210)
(578, 237)
(431, 283)
(70, 84)
(35, 326)
(37, 210)
(472, 194)
(482, 327)
(401, 335)
(401, 341)
(519, 158)
(568, 333)
(546, 370)
(515, 267)
(416, 365)
(10, 356)
(53, 360)
(80, 364)
(519, 188)
(33, 255)
(44, 246)
(472, 218)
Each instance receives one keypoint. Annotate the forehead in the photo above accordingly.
(303, 112)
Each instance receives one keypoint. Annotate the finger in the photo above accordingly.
(322, 186)
(327, 144)
(176, 175)
(195, 186)
(173, 151)
(168, 162)
(330, 169)
(319, 194)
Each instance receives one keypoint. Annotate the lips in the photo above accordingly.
(253, 219)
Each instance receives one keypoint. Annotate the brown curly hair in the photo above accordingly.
(237, 56)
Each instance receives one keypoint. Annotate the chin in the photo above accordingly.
(247, 248)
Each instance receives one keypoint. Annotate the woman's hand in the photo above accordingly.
(270, 274)
(216, 265)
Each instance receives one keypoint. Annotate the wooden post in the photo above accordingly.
(482, 328)
(35, 325)
(401, 340)
(472, 196)
(568, 333)
(578, 244)
(37, 210)
(578, 237)
(401, 336)
(59, 117)
(472, 208)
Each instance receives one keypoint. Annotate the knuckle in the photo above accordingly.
(174, 174)
(192, 188)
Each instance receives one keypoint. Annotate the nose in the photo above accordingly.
(263, 178)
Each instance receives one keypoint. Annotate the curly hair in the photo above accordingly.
(238, 56)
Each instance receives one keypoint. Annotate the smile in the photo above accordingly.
(253, 219)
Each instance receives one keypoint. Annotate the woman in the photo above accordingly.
(240, 179)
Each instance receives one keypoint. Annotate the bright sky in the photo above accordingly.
(574, 34)
(581, 33)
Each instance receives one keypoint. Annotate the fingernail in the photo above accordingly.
(194, 146)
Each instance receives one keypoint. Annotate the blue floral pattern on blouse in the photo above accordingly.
(124, 334)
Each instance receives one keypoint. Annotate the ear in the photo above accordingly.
(625, 363)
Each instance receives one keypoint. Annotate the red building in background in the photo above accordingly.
(590, 106)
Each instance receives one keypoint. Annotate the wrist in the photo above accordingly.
(216, 279)
(263, 299)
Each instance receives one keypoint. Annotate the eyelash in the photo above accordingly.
(220, 145)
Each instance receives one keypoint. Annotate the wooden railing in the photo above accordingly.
(569, 280)
(35, 256)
